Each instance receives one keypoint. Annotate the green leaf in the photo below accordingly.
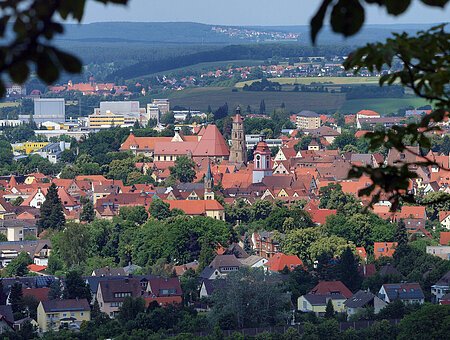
(19, 72)
(397, 7)
(317, 21)
(347, 17)
(436, 3)
(47, 69)
(68, 62)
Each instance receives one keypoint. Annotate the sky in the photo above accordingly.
(246, 12)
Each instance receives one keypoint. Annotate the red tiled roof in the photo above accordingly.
(164, 300)
(279, 261)
(331, 287)
(212, 143)
(36, 268)
(368, 113)
(444, 239)
(384, 249)
(40, 294)
(195, 207)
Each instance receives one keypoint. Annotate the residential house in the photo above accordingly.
(317, 304)
(444, 238)
(362, 300)
(209, 286)
(440, 251)
(6, 319)
(408, 293)
(280, 261)
(111, 294)
(220, 267)
(56, 314)
(208, 208)
(441, 288)
(386, 249)
(254, 261)
(38, 250)
(264, 244)
(164, 291)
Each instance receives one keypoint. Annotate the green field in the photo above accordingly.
(381, 105)
(9, 104)
(309, 80)
(200, 98)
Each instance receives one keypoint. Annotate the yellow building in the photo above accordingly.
(317, 304)
(28, 147)
(56, 314)
(105, 120)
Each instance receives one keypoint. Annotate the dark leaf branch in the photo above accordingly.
(34, 24)
(426, 70)
(347, 16)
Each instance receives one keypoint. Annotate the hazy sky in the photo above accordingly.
(245, 12)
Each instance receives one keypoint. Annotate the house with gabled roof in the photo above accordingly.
(280, 261)
(362, 300)
(220, 267)
(408, 293)
(111, 294)
(441, 288)
(55, 314)
(386, 249)
(444, 219)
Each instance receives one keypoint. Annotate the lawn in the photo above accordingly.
(309, 80)
(381, 105)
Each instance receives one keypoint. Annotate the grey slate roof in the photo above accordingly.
(306, 113)
(359, 299)
(404, 291)
(321, 300)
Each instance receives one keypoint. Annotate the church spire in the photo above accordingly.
(209, 183)
(238, 151)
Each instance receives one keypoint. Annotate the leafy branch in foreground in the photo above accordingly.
(426, 71)
(33, 25)
(348, 16)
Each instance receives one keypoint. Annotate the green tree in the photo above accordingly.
(52, 215)
(249, 298)
(428, 322)
(76, 287)
(88, 213)
(401, 236)
(120, 168)
(18, 201)
(298, 241)
(130, 308)
(73, 244)
(18, 266)
(15, 297)
(159, 209)
(329, 310)
(262, 107)
(348, 268)
(183, 169)
(137, 215)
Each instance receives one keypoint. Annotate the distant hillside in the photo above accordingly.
(195, 33)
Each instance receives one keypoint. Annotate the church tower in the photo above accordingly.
(238, 151)
(262, 162)
(209, 183)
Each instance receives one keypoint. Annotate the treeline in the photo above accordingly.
(372, 91)
(232, 52)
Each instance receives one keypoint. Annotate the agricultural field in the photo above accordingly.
(309, 80)
(381, 105)
(200, 98)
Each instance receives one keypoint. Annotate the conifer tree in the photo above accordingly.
(348, 270)
(15, 297)
(329, 311)
(401, 236)
(52, 215)
(88, 214)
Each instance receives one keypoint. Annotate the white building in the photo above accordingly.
(49, 109)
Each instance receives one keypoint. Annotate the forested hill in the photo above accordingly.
(232, 52)
(146, 32)
(196, 33)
